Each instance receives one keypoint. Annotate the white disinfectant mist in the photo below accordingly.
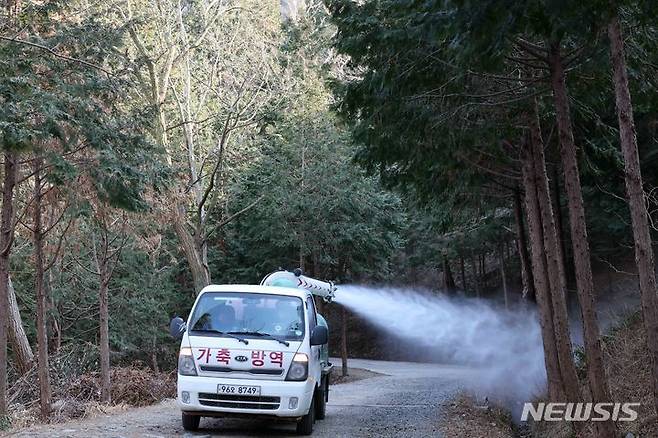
(503, 346)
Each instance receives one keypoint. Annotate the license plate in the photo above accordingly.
(238, 389)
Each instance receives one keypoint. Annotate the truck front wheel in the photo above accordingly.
(321, 400)
(190, 422)
(305, 425)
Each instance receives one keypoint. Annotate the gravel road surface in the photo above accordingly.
(406, 401)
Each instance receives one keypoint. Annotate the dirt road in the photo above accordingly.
(405, 401)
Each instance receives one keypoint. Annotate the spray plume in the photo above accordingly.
(504, 346)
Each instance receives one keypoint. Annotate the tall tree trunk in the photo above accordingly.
(55, 338)
(476, 280)
(200, 276)
(103, 305)
(107, 258)
(196, 191)
(559, 221)
(194, 254)
(20, 345)
(462, 269)
(202, 249)
(154, 355)
(641, 232)
(522, 243)
(503, 275)
(45, 393)
(540, 277)
(302, 181)
(6, 241)
(448, 280)
(596, 373)
(154, 360)
(343, 340)
(556, 278)
(410, 248)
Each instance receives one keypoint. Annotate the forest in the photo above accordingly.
(500, 150)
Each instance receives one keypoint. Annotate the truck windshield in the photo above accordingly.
(249, 315)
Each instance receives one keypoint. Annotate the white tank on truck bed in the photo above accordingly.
(323, 289)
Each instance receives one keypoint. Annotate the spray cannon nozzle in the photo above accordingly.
(330, 296)
(323, 289)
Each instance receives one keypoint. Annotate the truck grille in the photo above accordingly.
(239, 401)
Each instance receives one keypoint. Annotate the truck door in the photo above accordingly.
(314, 362)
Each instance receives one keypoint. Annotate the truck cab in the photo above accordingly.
(251, 350)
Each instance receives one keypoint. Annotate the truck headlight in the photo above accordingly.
(186, 362)
(298, 370)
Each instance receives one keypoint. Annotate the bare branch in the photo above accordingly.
(235, 215)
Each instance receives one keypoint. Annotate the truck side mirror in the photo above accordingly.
(177, 327)
(319, 335)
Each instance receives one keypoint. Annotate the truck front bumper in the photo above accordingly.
(198, 395)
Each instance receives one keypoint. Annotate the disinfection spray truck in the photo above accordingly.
(255, 351)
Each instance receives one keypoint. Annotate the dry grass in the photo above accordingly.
(551, 430)
(629, 372)
(79, 397)
(465, 418)
(629, 375)
(131, 386)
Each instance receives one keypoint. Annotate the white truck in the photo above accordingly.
(255, 351)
